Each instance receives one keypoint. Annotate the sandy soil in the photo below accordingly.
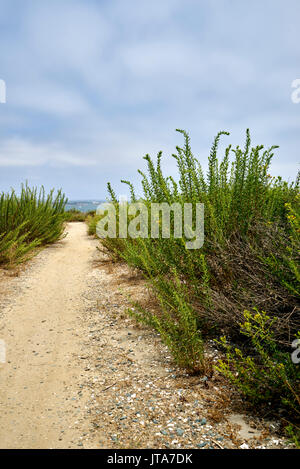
(38, 393)
(80, 373)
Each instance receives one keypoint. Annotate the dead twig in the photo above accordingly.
(217, 444)
(108, 387)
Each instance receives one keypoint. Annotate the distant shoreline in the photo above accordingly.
(83, 205)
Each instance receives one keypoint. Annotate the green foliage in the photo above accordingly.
(251, 249)
(74, 215)
(92, 224)
(267, 376)
(176, 323)
(29, 220)
(286, 265)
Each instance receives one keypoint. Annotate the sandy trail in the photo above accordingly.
(39, 381)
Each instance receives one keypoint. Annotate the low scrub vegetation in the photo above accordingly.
(74, 215)
(250, 259)
(27, 221)
(265, 374)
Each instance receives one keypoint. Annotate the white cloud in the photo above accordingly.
(66, 34)
(20, 152)
(49, 98)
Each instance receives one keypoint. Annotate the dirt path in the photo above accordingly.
(38, 392)
(80, 373)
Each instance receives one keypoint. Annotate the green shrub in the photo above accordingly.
(286, 265)
(92, 221)
(29, 220)
(74, 215)
(176, 324)
(264, 373)
(251, 249)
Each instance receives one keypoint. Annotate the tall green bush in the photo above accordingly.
(251, 249)
(30, 219)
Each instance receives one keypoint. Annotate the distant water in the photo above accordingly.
(83, 205)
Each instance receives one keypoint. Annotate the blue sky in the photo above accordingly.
(92, 86)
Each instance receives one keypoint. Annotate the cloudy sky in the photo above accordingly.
(93, 85)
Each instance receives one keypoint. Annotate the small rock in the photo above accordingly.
(244, 446)
(201, 445)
